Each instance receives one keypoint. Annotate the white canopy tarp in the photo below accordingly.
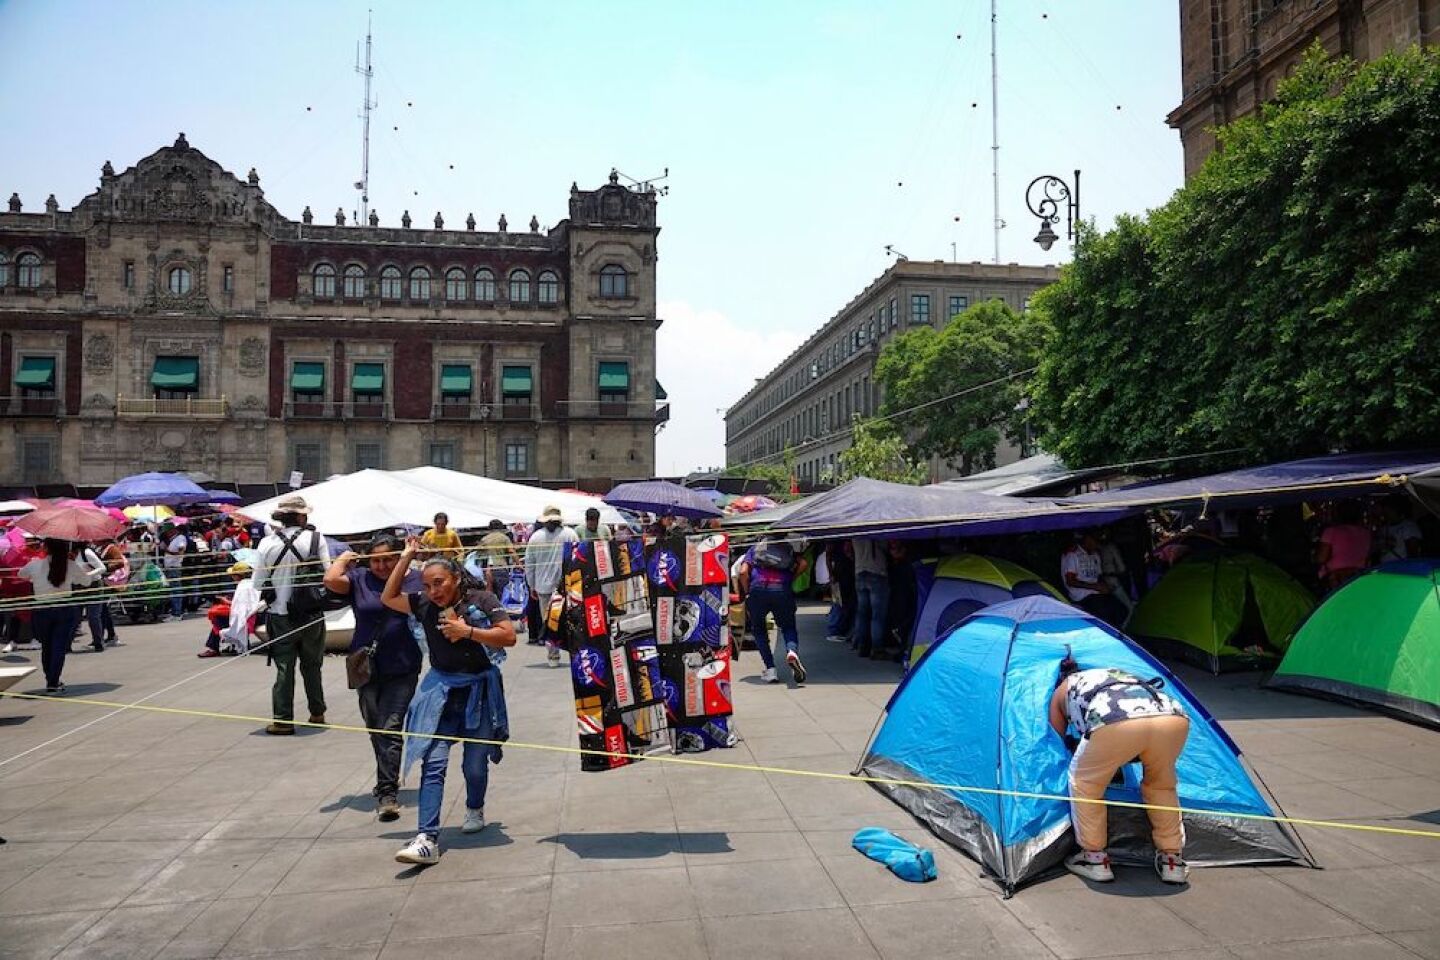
(376, 499)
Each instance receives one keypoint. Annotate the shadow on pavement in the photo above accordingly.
(639, 845)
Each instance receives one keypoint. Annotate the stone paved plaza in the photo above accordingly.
(152, 835)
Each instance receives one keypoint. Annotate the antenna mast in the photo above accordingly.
(995, 128)
(363, 184)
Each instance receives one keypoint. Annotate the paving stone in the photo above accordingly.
(77, 886)
(1372, 947)
(1423, 943)
(616, 851)
(203, 873)
(834, 934)
(1384, 899)
(19, 860)
(1074, 924)
(318, 921)
(39, 936)
(708, 847)
(653, 895)
(492, 946)
(863, 882)
(490, 854)
(132, 932)
(765, 886)
(474, 907)
(671, 939)
(978, 928)
(206, 935)
(1249, 908)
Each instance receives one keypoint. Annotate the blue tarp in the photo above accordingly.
(974, 712)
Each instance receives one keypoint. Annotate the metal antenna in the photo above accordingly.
(646, 185)
(995, 126)
(363, 184)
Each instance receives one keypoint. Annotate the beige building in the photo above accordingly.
(175, 320)
(808, 402)
(1234, 52)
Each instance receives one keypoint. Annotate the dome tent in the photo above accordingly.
(1374, 642)
(999, 668)
(1222, 611)
(954, 587)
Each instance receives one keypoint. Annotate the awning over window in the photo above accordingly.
(36, 373)
(615, 376)
(456, 380)
(660, 393)
(176, 373)
(368, 378)
(515, 381)
(307, 377)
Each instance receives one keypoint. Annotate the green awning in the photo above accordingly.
(660, 393)
(36, 373)
(456, 380)
(368, 378)
(307, 377)
(176, 373)
(615, 376)
(515, 381)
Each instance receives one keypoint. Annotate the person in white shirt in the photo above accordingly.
(174, 543)
(53, 617)
(292, 559)
(97, 611)
(1400, 538)
(544, 555)
(1082, 572)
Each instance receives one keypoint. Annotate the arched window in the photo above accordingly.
(455, 284)
(420, 283)
(323, 282)
(178, 279)
(520, 286)
(4, 270)
(354, 282)
(547, 287)
(390, 283)
(485, 285)
(614, 281)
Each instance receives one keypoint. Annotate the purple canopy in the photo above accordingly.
(663, 497)
(170, 489)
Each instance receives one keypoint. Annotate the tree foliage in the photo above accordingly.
(1284, 302)
(954, 391)
(777, 475)
(879, 452)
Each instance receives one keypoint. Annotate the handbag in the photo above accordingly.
(358, 666)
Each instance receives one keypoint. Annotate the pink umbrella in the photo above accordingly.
(12, 548)
(76, 524)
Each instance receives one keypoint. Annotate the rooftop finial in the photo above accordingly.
(504, 224)
(470, 222)
(107, 170)
(15, 203)
(253, 177)
(339, 216)
(181, 143)
(614, 175)
(306, 216)
(405, 219)
(51, 204)
(534, 224)
(439, 221)
(374, 219)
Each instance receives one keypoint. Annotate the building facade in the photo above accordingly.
(808, 402)
(1233, 53)
(175, 320)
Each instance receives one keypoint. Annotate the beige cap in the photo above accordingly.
(551, 513)
(292, 504)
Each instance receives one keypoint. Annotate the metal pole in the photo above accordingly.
(995, 125)
(1075, 207)
(365, 108)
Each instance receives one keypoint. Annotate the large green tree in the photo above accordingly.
(953, 392)
(1284, 302)
(879, 452)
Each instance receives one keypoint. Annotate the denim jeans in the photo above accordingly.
(872, 604)
(176, 587)
(53, 629)
(841, 618)
(383, 702)
(102, 623)
(780, 603)
(474, 764)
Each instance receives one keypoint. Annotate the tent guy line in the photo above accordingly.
(722, 765)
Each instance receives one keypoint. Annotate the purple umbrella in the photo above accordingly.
(662, 497)
(171, 489)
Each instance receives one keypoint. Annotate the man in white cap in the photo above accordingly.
(544, 555)
(288, 571)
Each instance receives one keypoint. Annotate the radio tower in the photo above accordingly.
(363, 184)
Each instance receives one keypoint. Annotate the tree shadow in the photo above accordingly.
(640, 845)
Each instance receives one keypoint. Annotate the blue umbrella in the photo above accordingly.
(171, 489)
(662, 496)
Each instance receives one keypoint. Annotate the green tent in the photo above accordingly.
(1223, 611)
(1375, 641)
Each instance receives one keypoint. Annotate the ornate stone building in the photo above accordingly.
(1234, 52)
(175, 320)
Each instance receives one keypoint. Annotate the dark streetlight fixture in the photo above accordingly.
(1045, 202)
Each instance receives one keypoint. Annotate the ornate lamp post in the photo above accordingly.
(1044, 197)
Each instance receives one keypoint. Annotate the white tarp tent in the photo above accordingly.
(375, 499)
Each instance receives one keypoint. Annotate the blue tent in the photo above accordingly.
(974, 713)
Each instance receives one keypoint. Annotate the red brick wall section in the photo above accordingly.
(277, 375)
(284, 270)
(72, 373)
(340, 390)
(7, 360)
(66, 253)
(414, 375)
(555, 376)
(287, 260)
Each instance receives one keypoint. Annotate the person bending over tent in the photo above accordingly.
(1118, 718)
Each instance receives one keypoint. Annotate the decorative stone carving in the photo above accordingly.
(339, 216)
(534, 224)
(107, 171)
(97, 403)
(99, 354)
(252, 357)
(51, 204)
(306, 216)
(439, 221)
(252, 178)
(181, 143)
(504, 224)
(374, 219)
(647, 256)
(14, 203)
(613, 204)
(470, 222)
(405, 220)
(250, 404)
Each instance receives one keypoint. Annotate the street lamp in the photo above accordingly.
(1044, 197)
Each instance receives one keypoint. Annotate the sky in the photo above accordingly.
(800, 137)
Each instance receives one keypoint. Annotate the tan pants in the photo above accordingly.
(1157, 742)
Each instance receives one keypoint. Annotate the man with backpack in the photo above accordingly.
(288, 575)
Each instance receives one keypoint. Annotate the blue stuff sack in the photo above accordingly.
(903, 858)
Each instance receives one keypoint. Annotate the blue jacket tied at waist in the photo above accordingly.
(485, 714)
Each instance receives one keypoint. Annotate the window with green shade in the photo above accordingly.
(307, 380)
(36, 373)
(516, 384)
(367, 382)
(456, 380)
(660, 393)
(176, 374)
(614, 381)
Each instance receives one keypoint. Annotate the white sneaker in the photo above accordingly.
(768, 675)
(422, 850)
(1172, 869)
(8, 648)
(474, 821)
(797, 669)
(1091, 865)
(834, 639)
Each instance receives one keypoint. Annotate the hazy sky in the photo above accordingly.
(801, 137)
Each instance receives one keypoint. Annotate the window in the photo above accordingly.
(442, 455)
(227, 282)
(872, 330)
(457, 384)
(614, 382)
(1025, 305)
(420, 283)
(175, 378)
(178, 281)
(894, 314)
(547, 288)
(27, 271)
(517, 459)
(36, 378)
(516, 385)
(5, 269)
(354, 282)
(520, 286)
(367, 383)
(614, 281)
(919, 308)
(369, 455)
(958, 305)
(323, 285)
(455, 285)
(128, 277)
(390, 283)
(484, 285)
(309, 459)
(37, 459)
(307, 381)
